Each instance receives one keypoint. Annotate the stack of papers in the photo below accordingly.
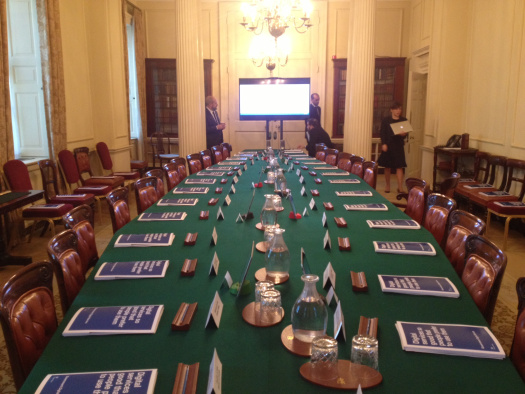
(132, 270)
(144, 240)
(418, 285)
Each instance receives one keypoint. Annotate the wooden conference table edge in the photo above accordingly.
(33, 381)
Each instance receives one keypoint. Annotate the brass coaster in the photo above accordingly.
(252, 315)
(259, 226)
(293, 345)
(262, 246)
(261, 275)
(350, 376)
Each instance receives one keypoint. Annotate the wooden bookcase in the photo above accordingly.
(161, 94)
(389, 83)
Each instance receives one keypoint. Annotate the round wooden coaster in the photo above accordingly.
(269, 183)
(262, 246)
(252, 315)
(293, 345)
(259, 226)
(261, 275)
(350, 376)
(280, 209)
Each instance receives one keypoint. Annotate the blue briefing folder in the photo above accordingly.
(418, 285)
(132, 270)
(144, 240)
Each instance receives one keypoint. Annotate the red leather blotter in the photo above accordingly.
(304, 168)
(188, 268)
(190, 239)
(218, 190)
(296, 163)
(184, 317)
(213, 201)
(186, 379)
(341, 222)
(314, 192)
(358, 281)
(368, 327)
(230, 173)
(204, 215)
(318, 181)
(236, 168)
(344, 243)
(224, 180)
(313, 173)
(328, 206)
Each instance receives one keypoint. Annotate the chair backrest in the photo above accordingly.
(28, 316)
(157, 142)
(331, 156)
(172, 174)
(17, 175)
(357, 166)
(436, 216)
(517, 351)
(497, 168)
(146, 193)
(225, 150)
(159, 173)
(206, 158)
(320, 155)
(481, 166)
(69, 168)
(343, 159)
(448, 185)
(49, 173)
(118, 205)
(180, 162)
(417, 198)
(82, 160)
(516, 167)
(461, 224)
(194, 162)
(370, 169)
(105, 157)
(217, 153)
(484, 267)
(80, 220)
(63, 252)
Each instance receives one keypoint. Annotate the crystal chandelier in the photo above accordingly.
(278, 15)
(269, 51)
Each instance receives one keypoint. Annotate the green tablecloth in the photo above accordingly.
(254, 360)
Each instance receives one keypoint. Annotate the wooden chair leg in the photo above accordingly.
(488, 222)
(506, 232)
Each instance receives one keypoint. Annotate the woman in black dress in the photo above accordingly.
(392, 150)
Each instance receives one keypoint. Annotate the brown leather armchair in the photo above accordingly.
(448, 186)
(159, 174)
(436, 216)
(80, 220)
(461, 224)
(194, 162)
(146, 193)
(370, 173)
(217, 154)
(485, 265)
(357, 166)
(63, 252)
(180, 162)
(416, 197)
(226, 149)
(28, 316)
(172, 174)
(517, 351)
(331, 156)
(344, 161)
(320, 153)
(206, 158)
(118, 208)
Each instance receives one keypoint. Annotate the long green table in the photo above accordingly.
(253, 359)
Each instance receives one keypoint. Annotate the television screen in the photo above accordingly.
(274, 98)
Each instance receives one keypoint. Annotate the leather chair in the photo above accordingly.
(118, 208)
(28, 316)
(497, 169)
(320, 153)
(49, 173)
(481, 166)
(194, 162)
(62, 249)
(370, 169)
(80, 220)
(172, 174)
(159, 174)
(206, 158)
(357, 166)
(461, 224)
(217, 154)
(107, 164)
(226, 149)
(84, 167)
(416, 197)
(344, 160)
(146, 193)
(18, 178)
(157, 140)
(448, 186)
(485, 265)
(331, 156)
(70, 174)
(436, 216)
(515, 167)
(180, 162)
(517, 351)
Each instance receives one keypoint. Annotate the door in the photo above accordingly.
(416, 104)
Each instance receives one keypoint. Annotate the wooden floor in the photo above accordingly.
(504, 317)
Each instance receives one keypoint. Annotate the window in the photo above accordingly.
(134, 109)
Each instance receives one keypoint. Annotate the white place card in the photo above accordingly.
(324, 220)
(286, 161)
(227, 200)
(215, 376)
(313, 207)
(245, 166)
(215, 312)
(235, 179)
(214, 267)
(213, 237)
(227, 281)
(239, 219)
(220, 215)
(339, 322)
(303, 191)
(331, 297)
(298, 172)
(240, 173)
(232, 190)
(327, 242)
(329, 276)
(305, 212)
(301, 179)
(252, 159)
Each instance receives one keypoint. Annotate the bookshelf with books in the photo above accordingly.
(389, 82)
(161, 94)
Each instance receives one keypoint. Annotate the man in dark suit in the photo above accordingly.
(315, 112)
(214, 127)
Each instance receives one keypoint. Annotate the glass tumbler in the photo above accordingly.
(270, 305)
(261, 287)
(365, 351)
(324, 358)
(270, 177)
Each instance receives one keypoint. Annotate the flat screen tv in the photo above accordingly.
(274, 98)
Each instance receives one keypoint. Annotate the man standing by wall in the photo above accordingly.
(315, 112)
(214, 127)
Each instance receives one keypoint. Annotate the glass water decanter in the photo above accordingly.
(309, 314)
(280, 185)
(278, 256)
(268, 212)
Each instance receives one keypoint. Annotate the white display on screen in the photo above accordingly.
(274, 99)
